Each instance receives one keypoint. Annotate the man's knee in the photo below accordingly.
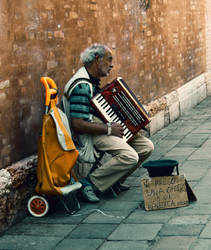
(130, 157)
(148, 149)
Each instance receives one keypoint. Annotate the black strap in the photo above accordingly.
(54, 95)
(74, 83)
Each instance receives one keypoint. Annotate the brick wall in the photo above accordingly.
(155, 51)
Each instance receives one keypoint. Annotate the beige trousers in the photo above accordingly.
(126, 157)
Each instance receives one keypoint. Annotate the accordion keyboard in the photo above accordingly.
(111, 114)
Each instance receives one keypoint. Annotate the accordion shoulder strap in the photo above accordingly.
(75, 83)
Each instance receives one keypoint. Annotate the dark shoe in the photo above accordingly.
(89, 195)
(119, 187)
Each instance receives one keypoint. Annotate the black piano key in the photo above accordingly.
(101, 99)
(110, 112)
(116, 119)
(98, 97)
(104, 105)
(127, 133)
(113, 115)
(128, 136)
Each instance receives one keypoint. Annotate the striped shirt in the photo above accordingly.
(80, 106)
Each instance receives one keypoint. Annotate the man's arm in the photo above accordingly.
(81, 126)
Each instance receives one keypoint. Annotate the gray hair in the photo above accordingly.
(89, 54)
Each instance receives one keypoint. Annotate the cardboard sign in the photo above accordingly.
(165, 192)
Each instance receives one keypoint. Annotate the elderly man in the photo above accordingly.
(126, 157)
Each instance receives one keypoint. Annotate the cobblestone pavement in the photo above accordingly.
(122, 223)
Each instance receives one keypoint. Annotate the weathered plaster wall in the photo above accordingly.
(155, 51)
(208, 35)
(208, 46)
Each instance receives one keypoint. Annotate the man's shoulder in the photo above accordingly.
(82, 87)
(81, 78)
(81, 74)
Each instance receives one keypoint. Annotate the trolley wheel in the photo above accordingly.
(38, 206)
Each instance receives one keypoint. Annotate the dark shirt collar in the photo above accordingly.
(94, 81)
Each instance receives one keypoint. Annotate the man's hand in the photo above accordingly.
(81, 126)
(117, 129)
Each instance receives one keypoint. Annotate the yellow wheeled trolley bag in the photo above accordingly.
(56, 158)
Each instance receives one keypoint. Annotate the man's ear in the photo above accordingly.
(97, 59)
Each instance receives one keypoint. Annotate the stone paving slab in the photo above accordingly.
(57, 230)
(92, 231)
(193, 140)
(179, 158)
(87, 207)
(55, 218)
(205, 182)
(202, 193)
(76, 244)
(24, 242)
(181, 230)
(189, 219)
(180, 151)
(197, 164)
(134, 194)
(201, 131)
(116, 205)
(206, 233)
(135, 232)
(208, 174)
(192, 173)
(207, 143)
(195, 208)
(174, 243)
(202, 244)
(108, 217)
(141, 216)
(200, 154)
(126, 245)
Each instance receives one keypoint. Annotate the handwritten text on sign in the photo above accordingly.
(164, 192)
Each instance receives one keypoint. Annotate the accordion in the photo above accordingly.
(117, 103)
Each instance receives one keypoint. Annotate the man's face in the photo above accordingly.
(105, 64)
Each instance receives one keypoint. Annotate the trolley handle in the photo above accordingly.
(51, 90)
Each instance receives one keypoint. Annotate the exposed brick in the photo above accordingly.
(16, 183)
(51, 64)
(73, 15)
(4, 84)
(58, 34)
(80, 23)
(2, 97)
(93, 7)
(50, 34)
